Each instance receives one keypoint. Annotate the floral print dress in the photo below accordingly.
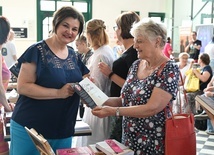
(146, 135)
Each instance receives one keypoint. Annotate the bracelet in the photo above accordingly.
(110, 75)
(118, 112)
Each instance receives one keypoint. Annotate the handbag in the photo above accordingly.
(180, 133)
(191, 83)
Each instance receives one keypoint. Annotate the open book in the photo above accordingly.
(90, 93)
(40, 142)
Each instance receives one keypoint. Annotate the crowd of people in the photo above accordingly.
(142, 81)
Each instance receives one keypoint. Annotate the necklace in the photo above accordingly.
(155, 66)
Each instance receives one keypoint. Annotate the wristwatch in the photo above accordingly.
(118, 112)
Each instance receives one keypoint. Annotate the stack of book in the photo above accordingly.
(106, 147)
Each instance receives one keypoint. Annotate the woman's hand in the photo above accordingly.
(208, 94)
(65, 91)
(9, 107)
(104, 68)
(104, 111)
(208, 89)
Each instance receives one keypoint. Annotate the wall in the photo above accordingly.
(23, 13)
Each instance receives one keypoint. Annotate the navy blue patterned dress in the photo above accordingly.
(146, 135)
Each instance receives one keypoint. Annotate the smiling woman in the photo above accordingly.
(145, 96)
(48, 68)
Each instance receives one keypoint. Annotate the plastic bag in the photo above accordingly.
(191, 83)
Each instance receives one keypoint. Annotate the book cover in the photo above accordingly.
(75, 151)
(90, 93)
(108, 150)
(40, 142)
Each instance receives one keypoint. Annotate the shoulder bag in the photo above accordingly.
(180, 137)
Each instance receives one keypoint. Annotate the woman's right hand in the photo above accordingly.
(102, 112)
(65, 91)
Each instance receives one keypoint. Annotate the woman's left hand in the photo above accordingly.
(104, 68)
(102, 112)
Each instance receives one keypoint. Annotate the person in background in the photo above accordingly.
(85, 51)
(204, 75)
(118, 49)
(4, 78)
(4, 71)
(182, 47)
(184, 65)
(47, 101)
(9, 50)
(99, 41)
(120, 68)
(194, 46)
(167, 50)
(151, 85)
(208, 92)
(209, 49)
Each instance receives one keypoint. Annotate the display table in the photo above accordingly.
(81, 128)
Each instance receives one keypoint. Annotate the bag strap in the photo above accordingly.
(184, 91)
(161, 68)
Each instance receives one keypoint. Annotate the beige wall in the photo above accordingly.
(23, 14)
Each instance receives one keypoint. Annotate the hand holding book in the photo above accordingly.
(90, 93)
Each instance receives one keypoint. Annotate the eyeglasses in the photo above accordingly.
(115, 28)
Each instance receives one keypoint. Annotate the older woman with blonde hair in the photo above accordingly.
(184, 65)
(151, 84)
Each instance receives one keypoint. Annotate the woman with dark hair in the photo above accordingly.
(120, 68)
(167, 48)
(47, 101)
(4, 71)
(205, 75)
(4, 79)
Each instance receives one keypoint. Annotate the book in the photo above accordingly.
(40, 142)
(75, 151)
(90, 93)
(95, 150)
(113, 147)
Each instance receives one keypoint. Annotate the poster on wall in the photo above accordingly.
(184, 33)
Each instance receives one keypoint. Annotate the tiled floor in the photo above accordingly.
(205, 143)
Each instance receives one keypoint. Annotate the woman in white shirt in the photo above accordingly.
(184, 65)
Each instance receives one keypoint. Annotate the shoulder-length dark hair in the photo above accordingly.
(125, 22)
(205, 58)
(4, 29)
(65, 12)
